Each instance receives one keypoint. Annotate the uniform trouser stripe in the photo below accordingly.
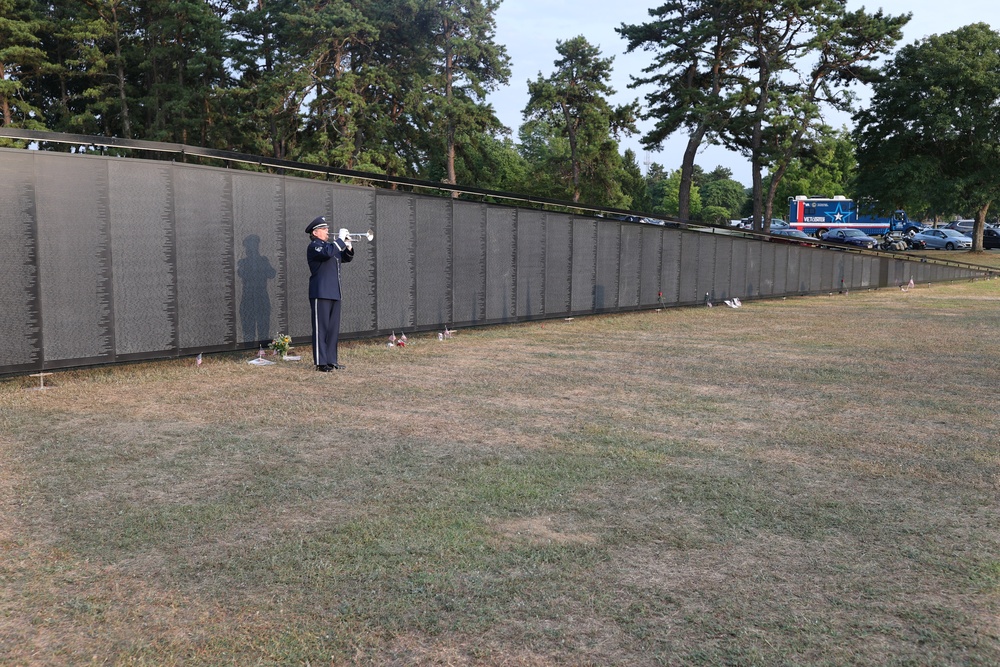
(315, 330)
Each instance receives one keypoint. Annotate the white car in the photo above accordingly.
(747, 223)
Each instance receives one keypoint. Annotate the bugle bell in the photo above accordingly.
(367, 236)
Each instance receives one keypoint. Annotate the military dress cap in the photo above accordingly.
(316, 224)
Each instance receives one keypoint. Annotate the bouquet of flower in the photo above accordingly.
(281, 344)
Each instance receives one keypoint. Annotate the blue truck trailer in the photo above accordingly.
(818, 215)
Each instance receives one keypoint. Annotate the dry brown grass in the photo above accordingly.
(801, 481)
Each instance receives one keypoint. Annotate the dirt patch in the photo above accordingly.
(541, 530)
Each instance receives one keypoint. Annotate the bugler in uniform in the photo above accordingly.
(325, 258)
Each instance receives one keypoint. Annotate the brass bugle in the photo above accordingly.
(369, 235)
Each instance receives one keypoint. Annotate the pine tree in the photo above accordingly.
(573, 101)
(22, 62)
(466, 64)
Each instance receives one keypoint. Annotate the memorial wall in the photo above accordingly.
(114, 259)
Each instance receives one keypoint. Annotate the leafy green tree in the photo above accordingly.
(725, 194)
(342, 45)
(932, 132)
(720, 173)
(698, 176)
(113, 22)
(634, 184)
(670, 203)
(757, 74)
(656, 180)
(826, 169)
(695, 68)
(487, 161)
(545, 152)
(715, 215)
(806, 55)
(573, 101)
(501, 166)
(90, 85)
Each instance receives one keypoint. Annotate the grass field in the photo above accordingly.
(989, 258)
(808, 481)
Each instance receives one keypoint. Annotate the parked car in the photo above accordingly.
(963, 226)
(991, 238)
(985, 227)
(853, 237)
(747, 223)
(791, 235)
(949, 239)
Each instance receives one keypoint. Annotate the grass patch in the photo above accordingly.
(801, 481)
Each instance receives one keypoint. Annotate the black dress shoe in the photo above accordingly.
(326, 368)
(339, 367)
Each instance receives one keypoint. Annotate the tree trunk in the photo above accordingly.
(574, 161)
(4, 101)
(756, 149)
(687, 174)
(5, 109)
(120, 75)
(758, 186)
(979, 226)
(449, 73)
(771, 191)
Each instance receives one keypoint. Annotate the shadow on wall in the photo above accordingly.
(254, 271)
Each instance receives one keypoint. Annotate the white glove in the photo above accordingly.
(343, 234)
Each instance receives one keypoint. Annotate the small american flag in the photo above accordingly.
(197, 360)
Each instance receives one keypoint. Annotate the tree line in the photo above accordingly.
(390, 86)
(395, 87)
(400, 87)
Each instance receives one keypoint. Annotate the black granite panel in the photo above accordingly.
(353, 208)
(652, 260)
(74, 257)
(143, 248)
(261, 261)
(608, 256)
(530, 263)
(584, 264)
(630, 266)
(470, 256)
(670, 267)
(558, 263)
(434, 263)
(21, 324)
(500, 275)
(203, 205)
(396, 260)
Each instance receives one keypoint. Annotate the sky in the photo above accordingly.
(529, 30)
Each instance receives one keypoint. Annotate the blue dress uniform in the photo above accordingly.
(325, 258)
